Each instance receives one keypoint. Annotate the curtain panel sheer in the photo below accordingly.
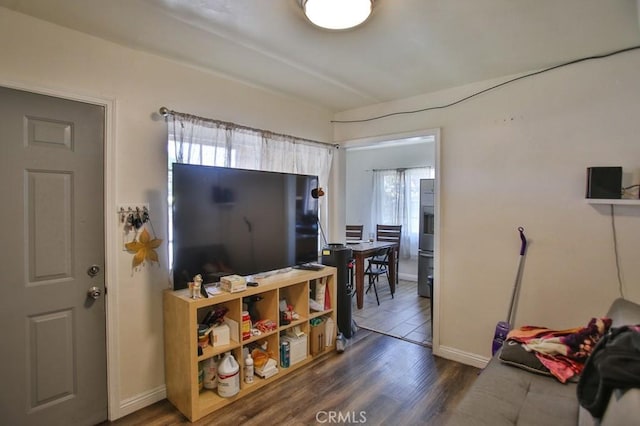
(195, 140)
(396, 201)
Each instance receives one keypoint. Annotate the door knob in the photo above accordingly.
(94, 293)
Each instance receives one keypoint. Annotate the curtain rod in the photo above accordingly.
(399, 169)
(164, 111)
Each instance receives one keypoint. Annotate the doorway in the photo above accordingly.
(396, 152)
(52, 304)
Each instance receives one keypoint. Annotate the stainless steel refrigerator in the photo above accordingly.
(426, 237)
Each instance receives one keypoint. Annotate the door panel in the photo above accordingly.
(53, 354)
(50, 339)
(49, 251)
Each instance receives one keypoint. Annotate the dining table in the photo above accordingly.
(363, 250)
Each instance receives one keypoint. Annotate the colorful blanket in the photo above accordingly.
(563, 352)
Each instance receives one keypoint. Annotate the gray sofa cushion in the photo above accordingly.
(504, 395)
(624, 312)
(623, 408)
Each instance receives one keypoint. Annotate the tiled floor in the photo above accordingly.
(406, 316)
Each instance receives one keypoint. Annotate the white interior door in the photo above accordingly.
(53, 350)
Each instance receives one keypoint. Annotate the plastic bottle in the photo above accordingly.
(248, 369)
(228, 376)
(210, 373)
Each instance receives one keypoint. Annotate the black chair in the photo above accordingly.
(377, 268)
(389, 233)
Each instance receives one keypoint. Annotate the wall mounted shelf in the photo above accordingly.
(617, 202)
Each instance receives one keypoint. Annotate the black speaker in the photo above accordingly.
(339, 256)
(604, 182)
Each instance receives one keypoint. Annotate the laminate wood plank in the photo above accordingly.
(378, 380)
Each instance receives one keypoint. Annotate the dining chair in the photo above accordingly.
(375, 269)
(354, 232)
(389, 233)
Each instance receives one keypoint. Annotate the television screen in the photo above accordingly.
(245, 222)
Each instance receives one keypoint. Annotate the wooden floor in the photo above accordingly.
(378, 380)
(406, 315)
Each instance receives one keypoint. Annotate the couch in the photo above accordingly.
(507, 395)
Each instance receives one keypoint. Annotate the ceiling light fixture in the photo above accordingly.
(337, 14)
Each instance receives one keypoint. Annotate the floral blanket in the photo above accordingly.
(563, 352)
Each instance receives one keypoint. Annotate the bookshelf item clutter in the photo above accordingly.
(184, 360)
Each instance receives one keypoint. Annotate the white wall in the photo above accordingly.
(360, 164)
(514, 157)
(38, 55)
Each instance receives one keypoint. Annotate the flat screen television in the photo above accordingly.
(236, 221)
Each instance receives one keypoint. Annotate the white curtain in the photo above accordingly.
(396, 201)
(196, 140)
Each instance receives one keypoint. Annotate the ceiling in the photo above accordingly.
(407, 48)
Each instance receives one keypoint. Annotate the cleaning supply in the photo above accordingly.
(248, 369)
(246, 325)
(210, 373)
(228, 376)
(285, 354)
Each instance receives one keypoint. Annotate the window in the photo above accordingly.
(396, 201)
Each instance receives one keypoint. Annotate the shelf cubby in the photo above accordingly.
(297, 296)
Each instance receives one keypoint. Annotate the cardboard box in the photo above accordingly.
(234, 329)
(297, 348)
(318, 339)
(220, 335)
(233, 283)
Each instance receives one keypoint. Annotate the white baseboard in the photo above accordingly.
(140, 401)
(457, 355)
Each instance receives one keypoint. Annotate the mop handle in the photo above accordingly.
(523, 247)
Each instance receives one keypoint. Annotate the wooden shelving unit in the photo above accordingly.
(181, 317)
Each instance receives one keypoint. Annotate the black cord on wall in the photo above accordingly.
(473, 95)
(615, 251)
